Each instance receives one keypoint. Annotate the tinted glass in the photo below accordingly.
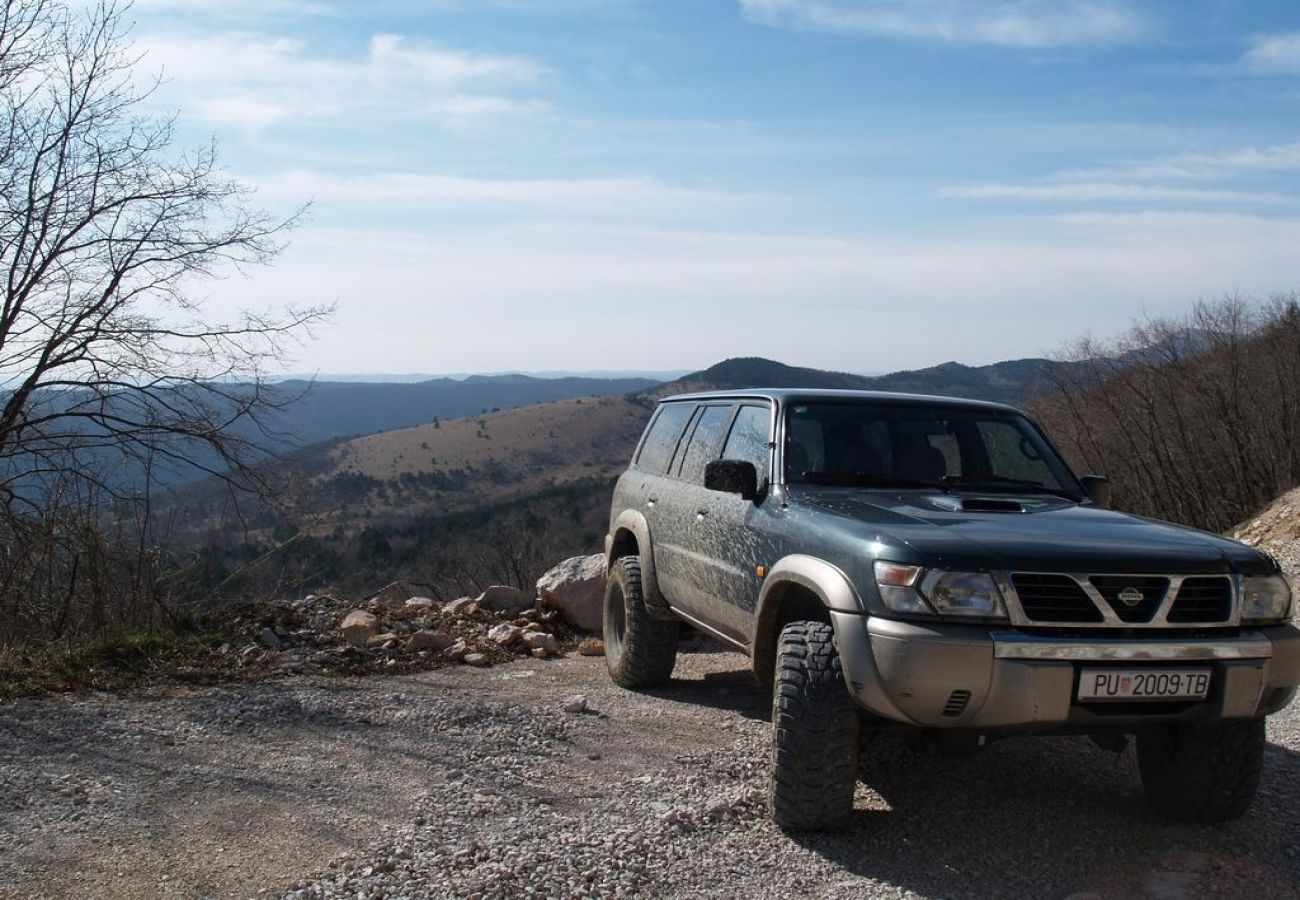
(706, 442)
(750, 437)
(1011, 454)
(662, 439)
(864, 444)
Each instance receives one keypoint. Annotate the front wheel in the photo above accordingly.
(813, 770)
(640, 650)
(1206, 774)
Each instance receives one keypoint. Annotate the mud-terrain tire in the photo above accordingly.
(640, 650)
(1206, 774)
(813, 768)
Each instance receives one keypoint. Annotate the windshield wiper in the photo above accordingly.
(1012, 485)
(868, 480)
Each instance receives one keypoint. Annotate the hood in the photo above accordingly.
(1034, 532)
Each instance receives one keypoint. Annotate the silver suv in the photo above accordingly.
(929, 565)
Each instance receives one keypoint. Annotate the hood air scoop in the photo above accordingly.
(979, 504)
(988, 504)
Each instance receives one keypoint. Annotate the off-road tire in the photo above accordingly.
(813, 768)
(640, 650)
(1207, 774)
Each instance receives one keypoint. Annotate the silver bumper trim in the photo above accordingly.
(1013, 645)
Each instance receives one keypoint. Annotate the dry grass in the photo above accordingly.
(504, 454)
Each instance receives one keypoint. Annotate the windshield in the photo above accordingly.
(900, 446)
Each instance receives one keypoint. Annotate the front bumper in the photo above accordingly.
(965, 676)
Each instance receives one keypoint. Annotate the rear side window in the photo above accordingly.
(750, 439)
(661, 441)
(706, 442)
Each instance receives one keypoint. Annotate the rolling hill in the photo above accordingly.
(334, 409)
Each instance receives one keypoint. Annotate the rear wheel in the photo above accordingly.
(640, 650)
(813, 769)
(1206, 774)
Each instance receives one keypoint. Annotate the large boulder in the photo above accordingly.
(502, 599)
(359, 627)
(576, 587)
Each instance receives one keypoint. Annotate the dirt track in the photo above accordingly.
(466, 782)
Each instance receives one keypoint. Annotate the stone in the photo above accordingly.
(539, 640)
(502, 599)
(465, 606)
(379, 640)
(576, 588)
(359, 627)
(458, 650)
(270, 639)
(576, 704)
(419, 602)
(538, 653)
(505, 634)
(591, 647)
(475, 659)
(430, 640)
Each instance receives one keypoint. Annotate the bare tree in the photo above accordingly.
(109, 371)
(1194, 417)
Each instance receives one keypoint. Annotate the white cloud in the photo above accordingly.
(1239, 161)
(624, 196)
(1011, 23)
(475, 300)
(256, 81)
(1108, 191)
(1274, 54)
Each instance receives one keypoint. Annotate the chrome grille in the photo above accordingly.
(1107, 600)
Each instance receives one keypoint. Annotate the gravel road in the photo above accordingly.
(476, 783)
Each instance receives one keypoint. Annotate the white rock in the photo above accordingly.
(458, 650)
(576, 587)
(359, 627)
(500, 598)
(591, 647)
(463, 607)
(538, 640)
(419, 602)
(505, 634)
(379, 640)
(475, 659)
(576, 704)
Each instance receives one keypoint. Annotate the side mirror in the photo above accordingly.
(732, 476)
(1098, 488)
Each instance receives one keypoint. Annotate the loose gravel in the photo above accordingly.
(477, 783)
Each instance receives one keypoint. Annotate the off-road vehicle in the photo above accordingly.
(932, 565)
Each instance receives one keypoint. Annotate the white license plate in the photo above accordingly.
(1144, 684)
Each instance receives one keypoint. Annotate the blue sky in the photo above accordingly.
(853, 184)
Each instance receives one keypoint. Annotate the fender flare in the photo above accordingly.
(826, 582)
(633, 522)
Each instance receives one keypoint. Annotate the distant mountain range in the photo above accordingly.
(1013, 381)
(412, 377)
(330, 409)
